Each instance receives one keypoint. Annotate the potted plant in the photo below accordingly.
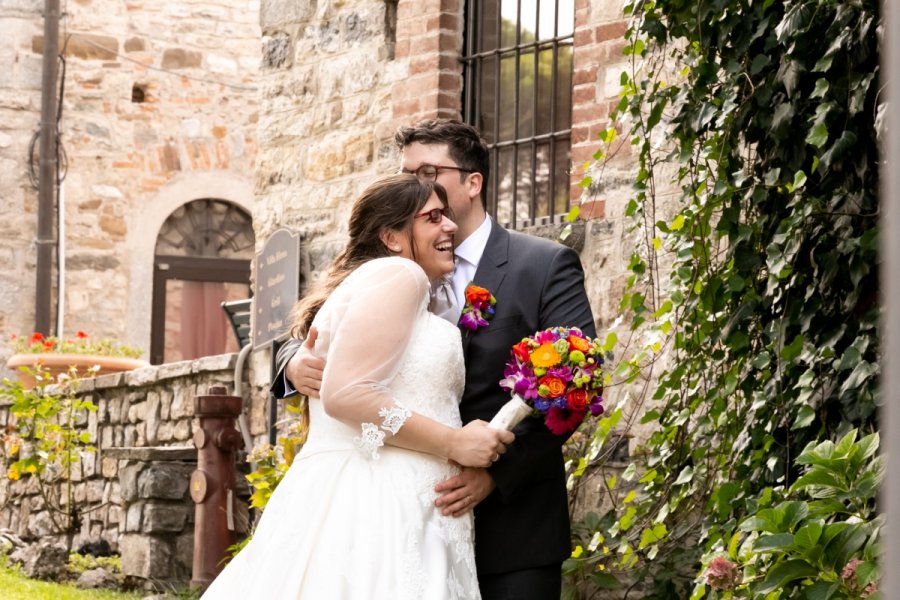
(57, 355)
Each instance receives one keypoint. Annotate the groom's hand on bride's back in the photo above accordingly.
(461, 493)
(304, 369)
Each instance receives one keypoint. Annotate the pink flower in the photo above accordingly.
(722, 574)
(849, 570)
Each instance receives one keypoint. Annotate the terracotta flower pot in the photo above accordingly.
(55, 363)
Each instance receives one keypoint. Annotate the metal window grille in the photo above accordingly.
(518, 93)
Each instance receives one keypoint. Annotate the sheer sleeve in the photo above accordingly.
(364, 334)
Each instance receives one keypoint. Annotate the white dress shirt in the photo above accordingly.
(468, 255)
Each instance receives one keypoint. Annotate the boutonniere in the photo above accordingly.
(479, 307)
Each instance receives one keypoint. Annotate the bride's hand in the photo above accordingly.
(477, 445)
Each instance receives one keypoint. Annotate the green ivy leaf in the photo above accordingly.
(818, 135)
(792, 350)
(805, 416)
(605, 581)
(686, 475)
(821, 88)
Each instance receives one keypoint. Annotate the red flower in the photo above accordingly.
(555, 385)
(48, 346)
(522, 351)
(80, 334)
(577, 399)
(475, 294)
(36, 337)
(560, 420)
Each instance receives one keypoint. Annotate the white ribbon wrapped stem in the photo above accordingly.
(510, 414)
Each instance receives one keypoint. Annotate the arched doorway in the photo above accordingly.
(202, 258)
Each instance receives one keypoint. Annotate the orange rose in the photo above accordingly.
(577, 399)
(578, 343)
(556, 387)
(476, 293)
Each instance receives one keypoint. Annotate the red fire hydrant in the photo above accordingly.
(213, 483)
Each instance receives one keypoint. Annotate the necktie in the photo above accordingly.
(443, 301)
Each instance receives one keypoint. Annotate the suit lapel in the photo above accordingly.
(491, 270)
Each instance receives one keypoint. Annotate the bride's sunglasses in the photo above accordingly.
(435, 215)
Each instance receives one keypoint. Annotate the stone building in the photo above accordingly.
(338, 78)
(170, 122)
(158, 124)
(216, 114)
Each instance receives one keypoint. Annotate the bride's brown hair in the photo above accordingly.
(388, 203)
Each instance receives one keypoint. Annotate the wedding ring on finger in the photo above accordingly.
(495, 458)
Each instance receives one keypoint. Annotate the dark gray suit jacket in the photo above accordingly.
(537, 284)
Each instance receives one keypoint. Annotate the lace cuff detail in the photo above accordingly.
(394, 418)
(371, 440)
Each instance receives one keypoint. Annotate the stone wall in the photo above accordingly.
(160, 108)
(20, 105)
(156, 533)
(129, 492)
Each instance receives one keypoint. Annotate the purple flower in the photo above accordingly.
(472, 321)
(542, 404)
(563, 372)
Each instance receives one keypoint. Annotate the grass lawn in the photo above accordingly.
(16, 586)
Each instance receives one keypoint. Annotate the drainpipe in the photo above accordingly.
(48, 170)
(61, 261)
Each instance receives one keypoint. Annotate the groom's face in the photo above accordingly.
(462, 188)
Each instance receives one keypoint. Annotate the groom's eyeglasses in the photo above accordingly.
(430, 172)
(435, 215)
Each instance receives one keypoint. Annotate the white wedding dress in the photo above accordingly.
(354, 519)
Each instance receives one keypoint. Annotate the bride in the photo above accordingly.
(354, 517)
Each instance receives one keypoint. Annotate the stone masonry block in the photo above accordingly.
(133, 517)
(164, 480)
(145, 556)
(161, 518)
(128, 479)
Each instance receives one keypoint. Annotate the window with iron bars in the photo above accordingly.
(518, 93)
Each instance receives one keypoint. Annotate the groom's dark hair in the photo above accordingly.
(464, 145)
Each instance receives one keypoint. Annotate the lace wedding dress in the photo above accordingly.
(354, 518)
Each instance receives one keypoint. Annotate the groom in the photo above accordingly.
(520, 503)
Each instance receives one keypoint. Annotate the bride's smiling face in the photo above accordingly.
(430, 242)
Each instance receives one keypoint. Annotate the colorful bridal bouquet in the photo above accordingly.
(556, 372)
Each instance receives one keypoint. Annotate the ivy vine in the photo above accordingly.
(758, 281)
